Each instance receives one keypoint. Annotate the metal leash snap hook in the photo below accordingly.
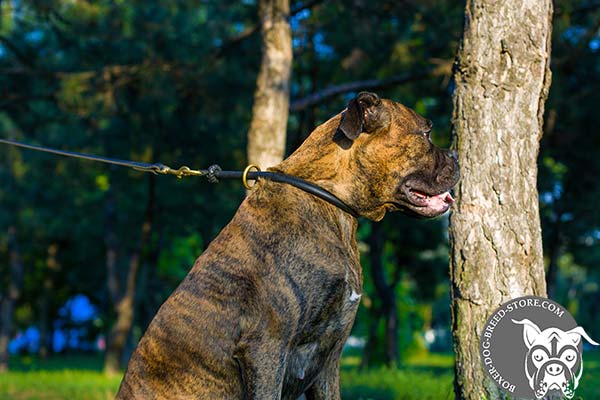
(182, 171)
(245, 175)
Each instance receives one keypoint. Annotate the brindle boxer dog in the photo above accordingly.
(266, 309)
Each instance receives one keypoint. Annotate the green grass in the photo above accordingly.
(429, 377)
(77, 377)
(396, 384)
(65, 384)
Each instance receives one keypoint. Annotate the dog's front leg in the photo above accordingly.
(262, 367)
(327, 384)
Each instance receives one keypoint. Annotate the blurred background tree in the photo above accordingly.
(174, 81)
(268, 126)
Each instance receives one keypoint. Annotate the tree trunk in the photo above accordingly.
(52, 268)
(372, 342)
(386, 293)
(554, 250)
(118, 335)
(123, 294)
(7, 306)
(502, 78)
(266, 137)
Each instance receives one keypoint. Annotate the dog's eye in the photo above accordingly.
(538, 357)
(570, 357)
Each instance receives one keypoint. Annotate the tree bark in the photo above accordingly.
(10, 297)
(266, 137)
(123, 293)
(502, 79)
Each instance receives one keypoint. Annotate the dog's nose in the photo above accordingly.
(554, 369)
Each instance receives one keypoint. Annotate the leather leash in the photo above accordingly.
(212, 173)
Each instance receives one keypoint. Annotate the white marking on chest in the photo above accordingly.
(355, 296)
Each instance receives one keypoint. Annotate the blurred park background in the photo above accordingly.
(173, 82)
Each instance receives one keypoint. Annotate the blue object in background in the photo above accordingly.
(69, 329)
(78, 309)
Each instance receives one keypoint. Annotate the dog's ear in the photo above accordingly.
(575, 335)
(530, 331)
(365, 113)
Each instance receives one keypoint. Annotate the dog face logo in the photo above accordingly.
(533, 360)
(553, 360)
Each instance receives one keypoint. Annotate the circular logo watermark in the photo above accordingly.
(531, 348)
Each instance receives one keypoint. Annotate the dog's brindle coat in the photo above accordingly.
(266, 309)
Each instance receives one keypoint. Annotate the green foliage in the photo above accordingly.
(569, 165)
(165, 81)
(132, 80)
(174, 262)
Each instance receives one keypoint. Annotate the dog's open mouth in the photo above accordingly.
(423, 202)
(426, 195)
(435, 202)
(419, 196)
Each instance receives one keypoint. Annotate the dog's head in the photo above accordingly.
(553, 360)
(377, 156)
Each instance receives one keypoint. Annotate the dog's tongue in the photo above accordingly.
(440, 202)
(448, 197)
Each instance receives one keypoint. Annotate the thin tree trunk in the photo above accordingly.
(554, 243)
(554, 250)
(145, 300)
(266, 137)
(7, 307)
(52, 267)
(386, 292)
(111, 243)
(124, 300)
(502, 79)
(372, 341)
(392, 354)
(111, 360)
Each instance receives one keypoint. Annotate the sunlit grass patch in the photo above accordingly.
(64, 384)
(425, 377)
(396, 384)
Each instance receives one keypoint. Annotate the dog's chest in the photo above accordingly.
(309, 356)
